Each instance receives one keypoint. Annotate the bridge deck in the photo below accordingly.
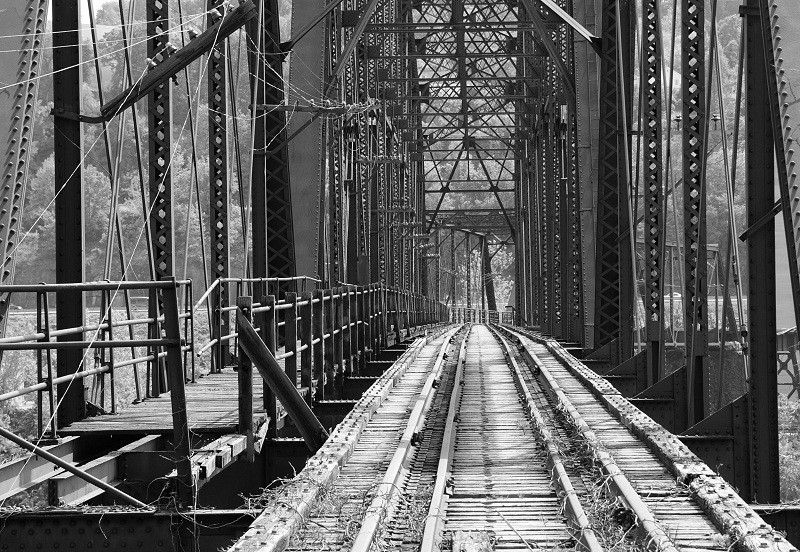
(470, 461)
(212, 402)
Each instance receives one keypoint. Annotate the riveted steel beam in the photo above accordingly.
(694, 206)
(69, 200)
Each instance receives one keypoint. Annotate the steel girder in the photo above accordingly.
(24, 34)
(280, 247)
(762, 406)
(613, 258)
(219, 189)
(694, 205)
(307, 148)
(781, 130)
(69, 200)
(653, 190)
(159, 125)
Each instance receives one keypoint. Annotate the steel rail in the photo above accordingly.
(438, 505)
(570, 502)
(380, 505)
(616, 480)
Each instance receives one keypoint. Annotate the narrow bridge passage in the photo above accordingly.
(488, 438)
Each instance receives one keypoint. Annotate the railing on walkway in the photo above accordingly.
(379, 310)
(460, 315)
(330, 334)
(112, 343)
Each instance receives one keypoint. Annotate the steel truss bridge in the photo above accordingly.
(370, 178)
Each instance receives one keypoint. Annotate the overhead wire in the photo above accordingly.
(97, 332)
(4, 86)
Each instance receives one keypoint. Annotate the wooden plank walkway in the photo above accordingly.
(212, 402)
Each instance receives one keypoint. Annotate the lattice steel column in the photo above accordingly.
(694, 205)
(468, 263)
(607, 324)
(159, 124)
(278, 193)
(26, 34)
(552, 183)
(586, 79)
(219, 186)
(653, 190)
(452, 288)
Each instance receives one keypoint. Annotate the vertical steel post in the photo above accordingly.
(273, 235)
(614, 290)
(290, 338)
(694, 206)
(69, 201)
(653, 190)
(488, 277)
(269, 329)
(177, 396)
(318, 372)
(219, 193)
(159, 125)
(306, 336)
(763, 385)
(452, 287)
(244, 378)
(468, 263)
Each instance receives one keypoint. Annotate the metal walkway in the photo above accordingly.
(495, 439)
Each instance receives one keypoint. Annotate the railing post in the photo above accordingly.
(177, 395)
(306, 337)
(397, 316)
(40, 328)
(269, 330)
(245, 381)
(51, 392)
(347, 334)
(338, 340)
(153, 330)
(318, 373)
(384, 305)
(290, 338)
(372, 322)
(216, 331)
(361, 328)
(109, 319)
(330, 323)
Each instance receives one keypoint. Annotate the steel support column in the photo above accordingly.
(69, 201)
(488, 276)
(653, 190)
(694, 206)
(607, 307)
(586, 68)
(760, 166)
(219, 188)
(159, 125)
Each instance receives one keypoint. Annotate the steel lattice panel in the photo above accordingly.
(159, 109)
(607, 324)
(653, 187)
(694, 198)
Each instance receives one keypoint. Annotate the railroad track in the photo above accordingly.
(493, 441)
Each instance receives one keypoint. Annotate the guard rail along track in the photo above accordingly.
(494, 438)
